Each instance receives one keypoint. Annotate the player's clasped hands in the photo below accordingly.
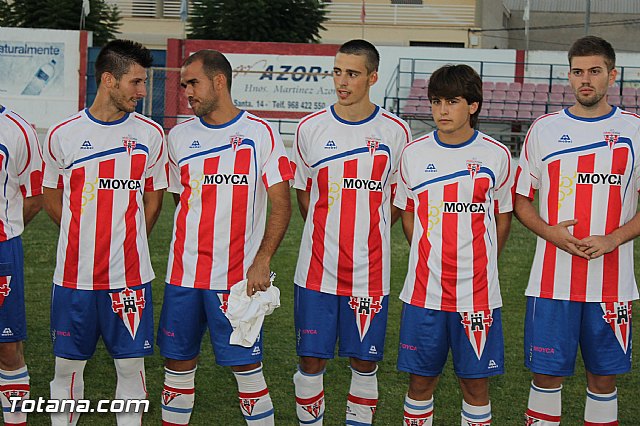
(588, 248)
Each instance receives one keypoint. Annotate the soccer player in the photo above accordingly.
(455, 194)
(224, 165)
(581, 161)
(104, 179)
(21, 199)
(345, 157)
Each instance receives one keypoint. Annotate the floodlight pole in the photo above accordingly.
(587, 17)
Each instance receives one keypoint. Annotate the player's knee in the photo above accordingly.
(363, 366)
(180, 365)
(129, 367)
(247, 367)
(545, 381)
(475, 391)
(601, 384)
(421, 388)
(11, 356)
(311, 365)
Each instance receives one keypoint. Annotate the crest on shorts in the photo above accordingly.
(618, 316)
(4, 288)
(129, 143)
(476, 327)
(365, 308)
(235, 141)
(129, 304)
(224, 302)
(473, 166)
(611, 138)
(373, 145)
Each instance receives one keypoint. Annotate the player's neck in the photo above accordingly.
(221, 115)
(598, 110)
(104, 110)
(355, 112)
(457, 137)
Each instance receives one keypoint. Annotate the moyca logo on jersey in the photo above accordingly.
(119, 184)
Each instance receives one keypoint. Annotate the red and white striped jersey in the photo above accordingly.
(455, 192)
(584, 169)
(222, 174)
(20, 170)
(104, 169)
(348, 167)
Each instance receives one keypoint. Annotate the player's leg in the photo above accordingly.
(551, 335)
(14, 375)
(126, 325)
(423, 353)
(75, 333)
(605, 343)
(182, 324)
(245, 362)
(362, 329)
(477, 346)
(316, 323)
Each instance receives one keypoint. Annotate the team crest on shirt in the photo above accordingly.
(129, 143)
(476, 327)
(224, 302)
(365, 308)
(372, 144)
(4, 288)
(618, 316)
(129, 304)
(235, 141)
(611, 137)
(474, 167)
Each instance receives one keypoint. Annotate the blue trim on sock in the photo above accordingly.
(541, 390)
(260, 416)
(310, 422)
(597, 397)
(418, 407)
(179, 373)
(485, 416)
(16, 377)
(176, 409)
(248, 373)
(354, 423)
(360, 373)
(312, 375)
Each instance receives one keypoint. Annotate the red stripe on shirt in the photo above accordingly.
(419, 296)
(547, 278)
(206, 227)
(375, 234)
(450, 251)
(104, 215)
(3, 234)
(284, 167)
(320, 213)
(76, 185)
(348, 203)
(131, 252)
(582, 211)
(54, 130)
(611, 265)
(240, 202)
(26, 140)
(480, 257)
(177, 268)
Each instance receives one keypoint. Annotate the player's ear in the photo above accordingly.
(473, 107)
(373, 78)
(107, 80)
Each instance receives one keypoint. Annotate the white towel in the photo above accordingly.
(246, 314)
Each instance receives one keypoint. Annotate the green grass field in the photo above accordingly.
(216, 400)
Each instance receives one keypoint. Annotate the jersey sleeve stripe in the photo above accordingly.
(26, 140)
(55, 129)
(404, 128)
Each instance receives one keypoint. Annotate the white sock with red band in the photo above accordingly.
(178, 397)
(255, 401)
(418, 412)
(309, 390)
(545, 406)
(363, 397)
(601, 409)
(14, 383)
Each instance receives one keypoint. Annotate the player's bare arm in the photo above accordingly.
(407, 224)
(303, 202)
(30, 208)
(503, 226)
(53, 203)
(599, 245)
(152, 205)
(558, 235)
(277, 223)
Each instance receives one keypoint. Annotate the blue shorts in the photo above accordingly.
(554, 329)
(13, 322)
(475, 339)
(359, 322)
(186, 313)
(123, 317)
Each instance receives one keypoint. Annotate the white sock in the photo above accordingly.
(309, 390)
(545, 405)
(363, 397)
(418, 412)
(67, 383)
(601, 409)
(130, 385)
(14, 383)
(178, 396)
(475, 415)
(255, 401)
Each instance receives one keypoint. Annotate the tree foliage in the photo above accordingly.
(294, 21)
(103, 19)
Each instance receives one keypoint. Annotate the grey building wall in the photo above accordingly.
(491, 14)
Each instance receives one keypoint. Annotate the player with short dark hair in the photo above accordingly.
(581, 162)
(455, 195)
(345, 159)
(224, 165)
(104, 179)
(21, 200)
